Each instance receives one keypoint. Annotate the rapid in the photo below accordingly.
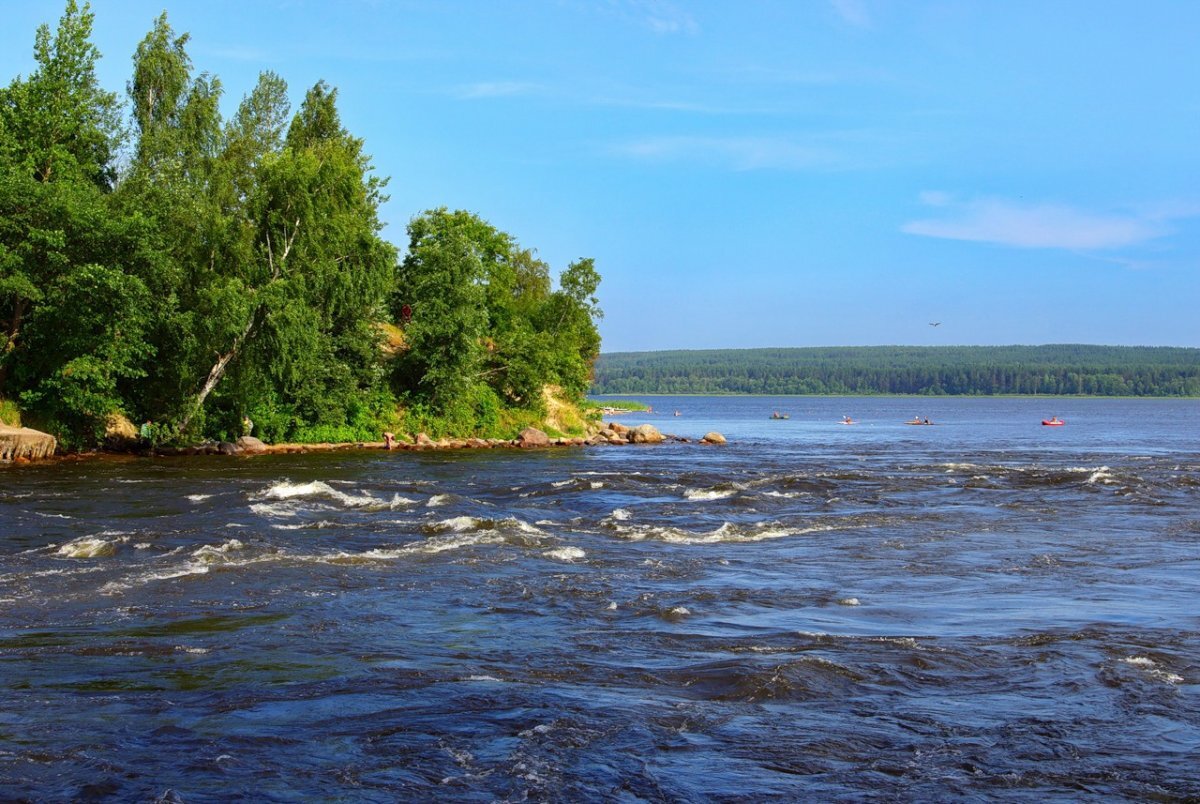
(984, 608)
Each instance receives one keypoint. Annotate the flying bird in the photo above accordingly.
(935, 323)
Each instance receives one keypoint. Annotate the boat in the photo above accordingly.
(780, 415)
(1053, 421)
(847, 420)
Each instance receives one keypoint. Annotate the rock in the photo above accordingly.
(532, 437)
(119, 428)
(228, 448)
(645, 434)
(478, 443)
(251, 445)
(22, 442)
(617, 441)
(618, 428)
(713, 438)
(424, 442)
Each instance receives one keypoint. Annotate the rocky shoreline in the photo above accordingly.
(609, 434)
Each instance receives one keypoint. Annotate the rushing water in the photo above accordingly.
(986, 608)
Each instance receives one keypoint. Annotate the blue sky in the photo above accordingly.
(760, 173)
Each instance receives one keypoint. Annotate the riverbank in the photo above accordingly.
(608, 434)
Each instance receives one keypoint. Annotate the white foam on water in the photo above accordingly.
(189, 649)
(218, 553)
(324, 523)
(620, 514)
(269, 510)
(596, 484)
(437, 499)
(960, 467)
(725, 534)
(1151, 668)
(611, 606)
(199, 497)
(558, 484)
(786, 495)
(458, 524)
(488, 679)
(849, 601)
(89, 547)
(564, 553)
(53, 516)
(285, 490)
(704, 495)
(1101, 475)
(679, 611)
(430, 546)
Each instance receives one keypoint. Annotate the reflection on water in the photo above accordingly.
(984, 608)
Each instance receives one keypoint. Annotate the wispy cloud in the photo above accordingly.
(496, 89)
(735, 153)
(660, 16)
(853, 12)
(1039, 225)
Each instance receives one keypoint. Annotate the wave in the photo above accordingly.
(706, 495)
(1151, 668)
(286, 490)
(564, 553)
(727, 533)
(91, 547)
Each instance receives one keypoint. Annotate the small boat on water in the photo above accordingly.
(1053, 421)
(781, 415)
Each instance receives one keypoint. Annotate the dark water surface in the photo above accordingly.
(983, 609)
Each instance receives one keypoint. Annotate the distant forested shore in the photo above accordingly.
(1060, 369)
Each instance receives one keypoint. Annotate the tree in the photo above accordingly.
(58, 135)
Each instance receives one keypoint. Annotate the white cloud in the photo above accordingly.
(737, 153)
(1010, 223)
(853, 12)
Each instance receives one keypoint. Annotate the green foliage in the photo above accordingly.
(972, 370)
(616, 404)
(235, 268)
(482, 313)
(10, 413)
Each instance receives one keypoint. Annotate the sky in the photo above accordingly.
(765, 173)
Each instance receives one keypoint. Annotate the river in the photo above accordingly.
(983, 608)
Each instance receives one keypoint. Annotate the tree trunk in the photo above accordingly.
(217, 372)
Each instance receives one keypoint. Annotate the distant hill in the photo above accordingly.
(1068, 369)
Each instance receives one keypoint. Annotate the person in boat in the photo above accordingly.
(916, 420)
(847, 420)
(926, 421)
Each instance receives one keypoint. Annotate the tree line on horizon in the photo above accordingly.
(1065, 369)
(162, 262)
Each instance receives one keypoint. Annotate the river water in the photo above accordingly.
(985, 608)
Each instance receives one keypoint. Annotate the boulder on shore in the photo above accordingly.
(713, 438)
(644, 434)
(22, 443)
(251, 445)
(532, 437)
